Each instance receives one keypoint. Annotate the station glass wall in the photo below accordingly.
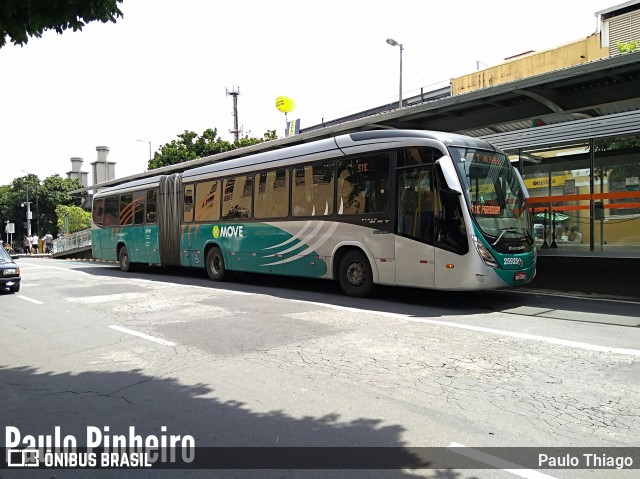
(584, 201)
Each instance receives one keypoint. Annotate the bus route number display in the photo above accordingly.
(486, 210)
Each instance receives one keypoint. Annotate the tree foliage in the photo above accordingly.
(21, 19)
(618, 174)
(628, 47)
(77, 219)
(44, 198)
(190, 146)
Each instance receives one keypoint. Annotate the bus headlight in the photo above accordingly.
(484, 253)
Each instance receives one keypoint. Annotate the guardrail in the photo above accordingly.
(81, 239)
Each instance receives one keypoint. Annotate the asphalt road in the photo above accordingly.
(282, 362)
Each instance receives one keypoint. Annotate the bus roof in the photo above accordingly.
(338, 144)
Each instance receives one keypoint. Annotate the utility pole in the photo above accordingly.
(28, 214)
(234, 93)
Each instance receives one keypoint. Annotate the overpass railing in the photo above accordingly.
(81, 239)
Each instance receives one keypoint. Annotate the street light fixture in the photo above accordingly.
(148, 141)
(393, 43)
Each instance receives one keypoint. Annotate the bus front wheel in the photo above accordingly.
(215, 264)
(354, 274)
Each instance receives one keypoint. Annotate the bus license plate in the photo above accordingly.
(520, 276)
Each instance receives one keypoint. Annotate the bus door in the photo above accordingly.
(414, 251)
(451, 238)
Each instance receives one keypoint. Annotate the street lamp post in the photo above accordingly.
(28, 214)
(28, 203)
(148, 141)
(393, 43)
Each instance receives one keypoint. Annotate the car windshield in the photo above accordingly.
(4, 256)
(494, 194)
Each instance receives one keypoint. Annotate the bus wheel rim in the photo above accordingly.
(356, 274)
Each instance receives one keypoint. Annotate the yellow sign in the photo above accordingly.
(285, 104)
(532, 183)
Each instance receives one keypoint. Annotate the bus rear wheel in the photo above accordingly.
(354, 274)
(215, 264)
(123, 259)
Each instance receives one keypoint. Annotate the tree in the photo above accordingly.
(53, 193)
(190, 146)
(21, 19)
(77, 219)
(44, 197)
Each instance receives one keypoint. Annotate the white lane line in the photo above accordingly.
(142, 335)
(530, 337)
(106, 298)
(497, 462)
(35, 301)
(563, 295)
(499, 332)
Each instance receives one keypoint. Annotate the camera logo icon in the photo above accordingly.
(23, 458)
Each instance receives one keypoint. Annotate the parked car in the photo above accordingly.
(9, 272)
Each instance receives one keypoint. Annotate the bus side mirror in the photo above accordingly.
(447, 171)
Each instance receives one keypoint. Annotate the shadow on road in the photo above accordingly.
(414, 302)
(35, 402)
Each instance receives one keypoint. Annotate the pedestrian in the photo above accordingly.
(48, 243)
(575, 236)
(26, 244)
(34, 244)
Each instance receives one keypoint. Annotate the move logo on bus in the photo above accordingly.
(227, 231)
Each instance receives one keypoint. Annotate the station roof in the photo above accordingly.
(594, 89)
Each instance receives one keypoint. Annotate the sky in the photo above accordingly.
(166, 66)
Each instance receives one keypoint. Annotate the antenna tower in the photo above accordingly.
(234, 93)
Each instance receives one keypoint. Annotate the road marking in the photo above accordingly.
(569, 295)
(530, 337)
(35, 301)
(142, 335)
(499, 332)
(497, 462)
(106, 298)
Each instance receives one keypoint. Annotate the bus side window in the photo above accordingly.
(138, 208)
(126, 209)
(208, 201)
(188, 203)
(111, 211)
(237, 199)
(363, 185)
(272, 194)
(98, 212)
(151, 207)
(312, 190)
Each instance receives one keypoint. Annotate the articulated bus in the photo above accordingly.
(396, 207)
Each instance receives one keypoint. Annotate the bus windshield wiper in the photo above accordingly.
(510, 229)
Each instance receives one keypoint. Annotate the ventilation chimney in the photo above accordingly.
(76, 172)
(102, 169)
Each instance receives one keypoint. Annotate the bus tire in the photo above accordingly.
(123, 259)
(215, 264)
(354, 274)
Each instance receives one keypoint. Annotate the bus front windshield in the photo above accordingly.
(494, 194)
